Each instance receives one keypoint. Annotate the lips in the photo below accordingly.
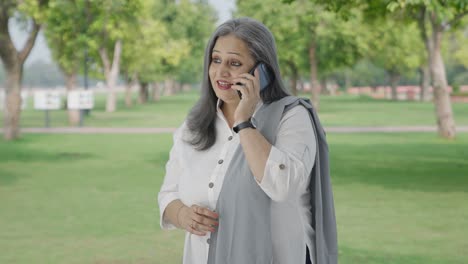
(224, 85)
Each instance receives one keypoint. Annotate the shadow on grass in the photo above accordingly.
(7, 177)
(21, 151)
(11, 152)
(410, 166)
(353, 256)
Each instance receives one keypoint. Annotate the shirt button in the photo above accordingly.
(230, 138)
(211, 185)
(220, 161)
(282, 166)
(208, 241)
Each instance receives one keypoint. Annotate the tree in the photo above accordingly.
(434, 18)
(194, 22)
(290, 40)
(109, 24)
(145, 49)
(309, 32)
(189, 22)
(396, 48)
(31, 11)
(441, 16)
(65, 33)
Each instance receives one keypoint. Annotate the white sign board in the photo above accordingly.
(82, 99)
(24, 100)
(47, 100)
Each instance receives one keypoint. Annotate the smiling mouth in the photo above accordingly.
(224, 85)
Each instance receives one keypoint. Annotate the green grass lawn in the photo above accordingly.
(400, 198)
(342, 110)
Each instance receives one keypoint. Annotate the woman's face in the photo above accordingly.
(230, 57)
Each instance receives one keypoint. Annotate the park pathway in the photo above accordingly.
(155, 130)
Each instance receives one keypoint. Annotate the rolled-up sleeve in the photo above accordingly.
(170, 187)
(292, 157)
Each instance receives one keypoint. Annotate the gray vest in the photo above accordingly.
(244, 232)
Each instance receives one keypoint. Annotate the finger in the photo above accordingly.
(207, 212)
(244, 79)
(203, 212)
(248, 75)
(194, 228)
(250, 80)
(203, 227)
(196, 232)
(240, 89)
(245, 86)
(205, 223)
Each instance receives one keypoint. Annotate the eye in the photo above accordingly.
(216, 60)
(236, 63)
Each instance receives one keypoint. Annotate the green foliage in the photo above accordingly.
(168, 41)
(66, 33)
(396, 47)
(340, 43)
(190, 23)
(289, 36)
(365, 73)
(34, 9)
(146, 46)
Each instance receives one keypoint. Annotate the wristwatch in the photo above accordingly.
(243, 125)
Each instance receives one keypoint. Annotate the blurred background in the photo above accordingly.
(91, 91)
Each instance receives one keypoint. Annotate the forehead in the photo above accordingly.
(231, 44)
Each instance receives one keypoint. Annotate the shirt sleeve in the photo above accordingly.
(170, 187)
(292, 157)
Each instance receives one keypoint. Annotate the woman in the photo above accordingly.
(238, 179)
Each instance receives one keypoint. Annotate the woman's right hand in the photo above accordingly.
(197, 220)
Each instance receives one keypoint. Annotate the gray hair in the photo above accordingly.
(262, 47)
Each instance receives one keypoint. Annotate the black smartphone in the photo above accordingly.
(265, 76)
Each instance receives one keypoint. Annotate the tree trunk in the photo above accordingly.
(12, 110)
(143, 93)
(13, 61)
(425, 68)
(293, 84)
(424, 82)
(314, 82)
(323, 86)
(128, 94)
(294, 77)
(128, 90)
(73, 114)
(186, 87)
(443, 105)
(111, 72)
(394, 80)
(169, 86)
(156, 92)
(177, 87)
(347, 79)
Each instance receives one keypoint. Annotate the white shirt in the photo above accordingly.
(189, 173)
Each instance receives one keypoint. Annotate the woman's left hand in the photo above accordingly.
(250, 90)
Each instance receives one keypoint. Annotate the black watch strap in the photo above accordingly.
(243, 125)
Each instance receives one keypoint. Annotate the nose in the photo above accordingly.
(224, 71)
